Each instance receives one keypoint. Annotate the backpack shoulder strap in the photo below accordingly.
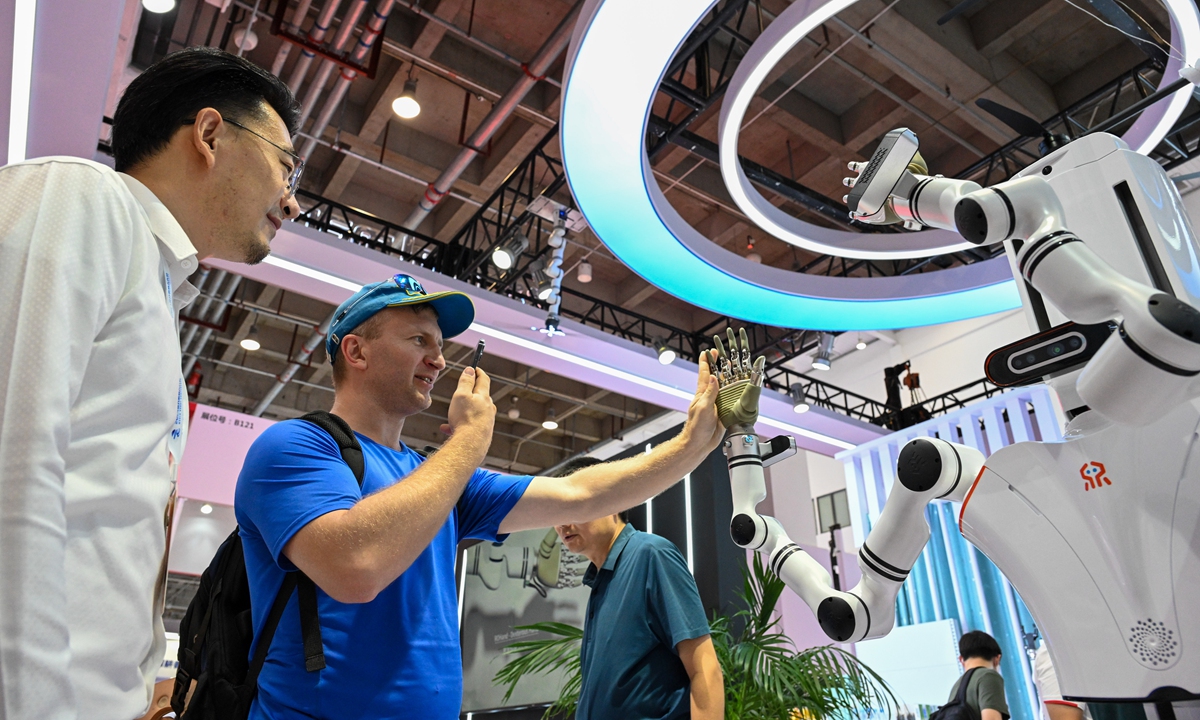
(961, 697)
(268, 631)
(341, 433)
(310, 625)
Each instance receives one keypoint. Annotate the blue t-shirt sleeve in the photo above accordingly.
(293, 474)
(486, 501)
(676, 611)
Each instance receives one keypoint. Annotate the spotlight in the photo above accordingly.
(543, 284)
(799, 399)
(506, 253)
(754, 257)
(666, 355)
(250, 342)
(550, 423)
(206, 509)
(861, 344)
(406, 106)
(514, 412)
(824, 356)
(585, 272)
(159, 6)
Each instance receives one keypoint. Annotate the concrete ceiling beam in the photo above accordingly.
(946, 67)
(999, 24)
(380, 112)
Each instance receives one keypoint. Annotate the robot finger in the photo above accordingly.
(758, 372)
(734, 356)
(745, 351)
(723, 367)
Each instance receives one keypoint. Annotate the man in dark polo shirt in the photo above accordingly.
(646, 647)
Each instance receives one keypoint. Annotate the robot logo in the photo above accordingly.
(1094, 476)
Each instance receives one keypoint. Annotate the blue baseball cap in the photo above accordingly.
(455, 310)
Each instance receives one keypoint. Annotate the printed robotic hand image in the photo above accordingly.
(529, 578)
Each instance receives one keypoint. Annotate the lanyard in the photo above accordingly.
(176, 439)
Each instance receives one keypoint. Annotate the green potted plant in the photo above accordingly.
(765, 676)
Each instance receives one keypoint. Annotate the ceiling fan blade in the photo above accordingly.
(1018, 121)
(959, 9)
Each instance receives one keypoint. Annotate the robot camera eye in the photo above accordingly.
(1057, 350)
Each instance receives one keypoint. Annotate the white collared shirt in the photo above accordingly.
(1047, 684)
(93, 273)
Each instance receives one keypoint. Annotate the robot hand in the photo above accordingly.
(739, 380)
(894, 186)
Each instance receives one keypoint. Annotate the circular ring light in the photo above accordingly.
(606, 101)
(789, 29)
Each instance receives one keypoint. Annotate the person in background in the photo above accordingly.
(646, 649)
(985, 693)
(382, 555)
(93, 273)
(1053, 705)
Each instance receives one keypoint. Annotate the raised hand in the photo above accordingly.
(739, 380)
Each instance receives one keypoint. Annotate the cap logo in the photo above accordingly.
(409, 285)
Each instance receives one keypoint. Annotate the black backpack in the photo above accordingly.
(217, 631)
(958, 709)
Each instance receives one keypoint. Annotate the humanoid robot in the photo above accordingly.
(1100, 533)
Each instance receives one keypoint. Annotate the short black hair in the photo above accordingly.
(171, 91)
(576, 464)
(978, 644)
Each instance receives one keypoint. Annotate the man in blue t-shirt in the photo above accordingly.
(646, 650)
(382, 557)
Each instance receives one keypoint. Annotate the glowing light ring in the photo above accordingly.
(789, 29)
(604, 114)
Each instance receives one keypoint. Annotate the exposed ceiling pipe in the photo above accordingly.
(185, 341)
(461, 34)
(344, 33)
(200, 283)
(315, 35)
(365, 41)
(534, 71)
(285, 48)
(283, 378)
(214, 306)
(189, 360)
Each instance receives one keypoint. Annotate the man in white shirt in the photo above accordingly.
(93, 273)
(1053, 705)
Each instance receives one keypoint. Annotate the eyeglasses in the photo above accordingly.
(293, 180)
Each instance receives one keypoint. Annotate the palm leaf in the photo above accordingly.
(560, 652)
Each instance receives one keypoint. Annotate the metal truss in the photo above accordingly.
(690, 90)
(504, 215)
(961, 397)
(1112, 108)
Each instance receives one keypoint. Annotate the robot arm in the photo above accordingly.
(929, 469)
(1143, 368)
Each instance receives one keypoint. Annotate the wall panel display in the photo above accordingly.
(529, 578)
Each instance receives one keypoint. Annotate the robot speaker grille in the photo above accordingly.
(1153, 642)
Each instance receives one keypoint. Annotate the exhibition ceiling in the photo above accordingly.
(870, 67)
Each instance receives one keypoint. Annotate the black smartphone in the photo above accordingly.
(478, 354)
